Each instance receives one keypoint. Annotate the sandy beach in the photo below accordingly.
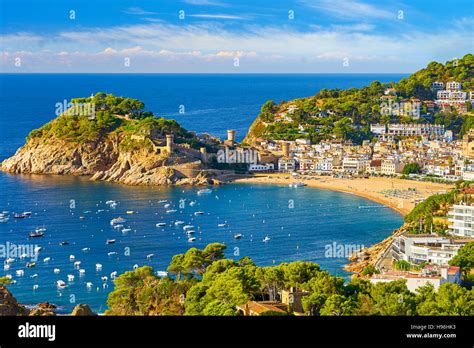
(400, 195)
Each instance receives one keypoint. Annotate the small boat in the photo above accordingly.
(192, 203)
(110, 241)
(149, 256)
(266, 239)
(238, 236)
(36, 234)
(86, 249)
(126, 230)
(204, 191)
(297, 184)
(161, 224)
(162, 201)
(118, 227)
(34, 276)
(161, 274)
(112, 253)
(77, 264)
(199, 213)
(35, 287)
(171, 211)
(179, 222)
(89, 285)
(6, 267)
(19, 216)
(135, 266)
(70, 277)
(30, 264)
(71, 257)
(116, 221)
(188, 227)
(98, 266)
(27, 213)
(56, 271)
(4, 219)
(37, 249)
(190, 232)
(41, 229)
(9, 260)
(113, 275)
(20, 272)
(104, 278)
(130, 212)
(167, 206)
(110, 202)
(221, 225)
(82, 272)
(46, 259)
(61, 284)
(63, 243)
(191, 239)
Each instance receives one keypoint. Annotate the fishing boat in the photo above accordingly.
(204, 191)
(266, 239)
(199, 213)
(116, 221)
(191, 239)
(36, 234)
(110, 241)
(161, 224)
(238, 236)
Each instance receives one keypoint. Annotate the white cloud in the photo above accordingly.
(138, 11)
(211, 47)
(204, 3)
(349, 9)
(216, 16)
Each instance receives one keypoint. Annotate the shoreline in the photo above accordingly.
(373, 188)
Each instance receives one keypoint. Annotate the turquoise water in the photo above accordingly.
(213, 103)
(317, 218)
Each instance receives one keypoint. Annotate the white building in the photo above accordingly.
(378, 129)
(461, 218)
(437, 85)
(261, 167)
(453, 86)
(446, 274)
(325, 165)
(353, 165)
(286, 164)
(419, 248)
(391, 167)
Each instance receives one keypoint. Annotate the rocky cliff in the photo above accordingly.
(112, 148)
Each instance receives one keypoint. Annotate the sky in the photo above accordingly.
(232, 36)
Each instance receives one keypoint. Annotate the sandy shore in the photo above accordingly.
(397, 194)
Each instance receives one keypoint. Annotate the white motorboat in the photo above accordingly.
(266, 239)
(191, 239)
(116, 221)
(199, 213)
(204, 191)
(61, 284)
(179, 222)
(188, 227)
(161, 224)
(238, 236)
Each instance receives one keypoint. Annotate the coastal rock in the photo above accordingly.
(41, 312)
(9, 306)
(82, 310)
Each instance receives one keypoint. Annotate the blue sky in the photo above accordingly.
(238, 36)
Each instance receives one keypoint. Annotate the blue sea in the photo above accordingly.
(302, 223)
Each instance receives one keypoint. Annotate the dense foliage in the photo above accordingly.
(205, 283)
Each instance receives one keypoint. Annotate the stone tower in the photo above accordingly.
(169, 143)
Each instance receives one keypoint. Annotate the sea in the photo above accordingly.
(82, 249)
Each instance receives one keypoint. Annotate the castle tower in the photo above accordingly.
(468, 145)
(285, 148)
(231, 136)
(169, 143)
(203, 152)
